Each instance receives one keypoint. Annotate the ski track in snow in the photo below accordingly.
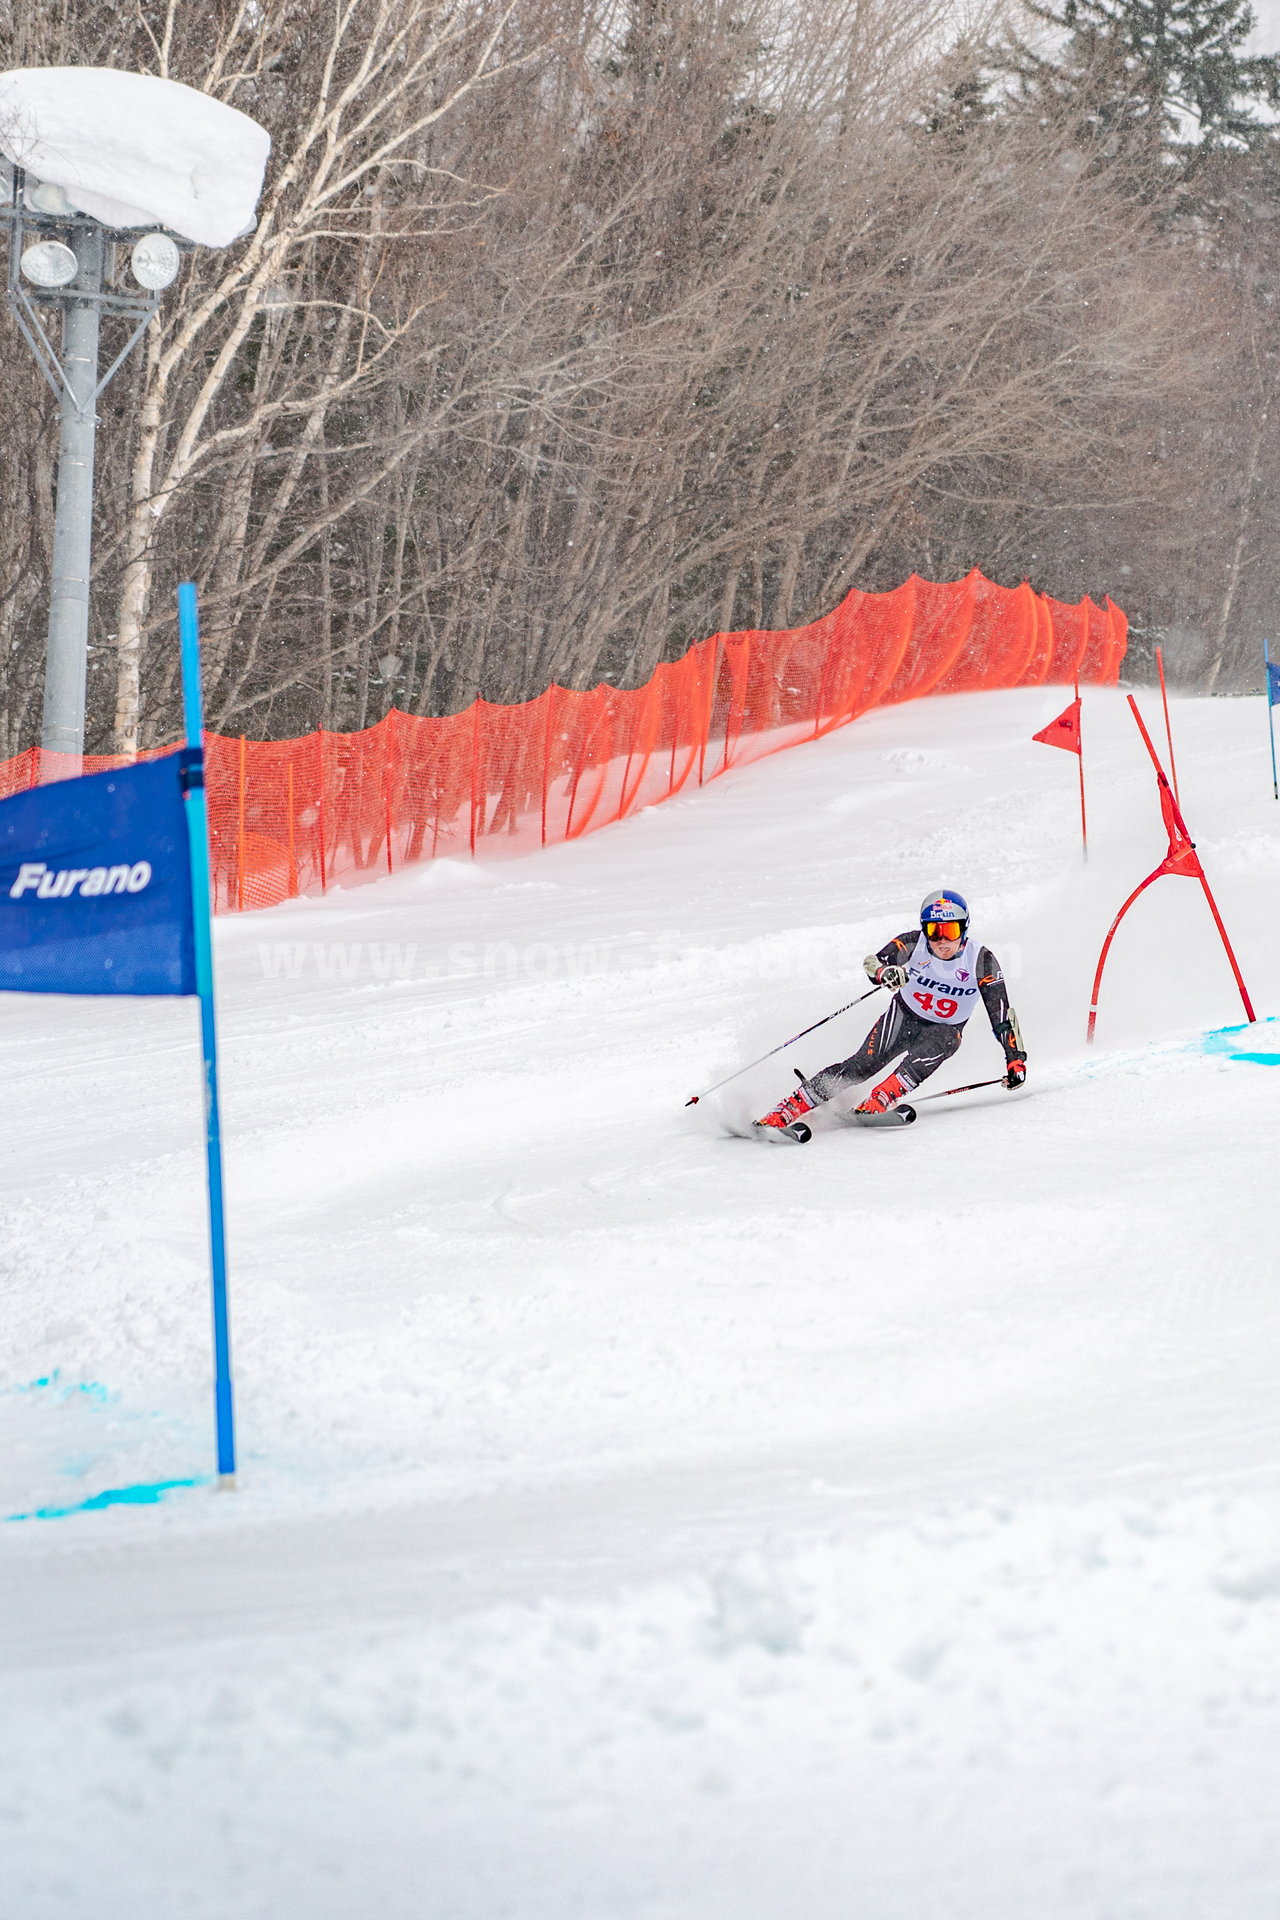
(639, 1523)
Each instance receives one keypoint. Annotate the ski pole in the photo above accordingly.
(948, 1091)
(694, 1099)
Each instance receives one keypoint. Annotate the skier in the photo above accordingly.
(938, 974)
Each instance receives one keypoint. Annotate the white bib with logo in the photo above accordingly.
(942, 990)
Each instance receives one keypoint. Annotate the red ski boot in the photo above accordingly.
(786, 1121)
(881, 1109)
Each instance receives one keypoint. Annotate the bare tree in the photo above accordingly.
(573, 330)
(350, 103)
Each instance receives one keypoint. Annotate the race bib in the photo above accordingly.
(942, 990)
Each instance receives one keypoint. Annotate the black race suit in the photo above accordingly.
(923, 1044)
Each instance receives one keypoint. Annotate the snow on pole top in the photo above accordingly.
(132, 150)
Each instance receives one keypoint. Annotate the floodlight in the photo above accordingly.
(100, 154)
(43, 197)
(50, 264)
(155, 261)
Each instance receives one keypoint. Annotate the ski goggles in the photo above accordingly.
(944, 929)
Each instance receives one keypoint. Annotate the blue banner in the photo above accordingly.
(95, 885)
(1273, 683)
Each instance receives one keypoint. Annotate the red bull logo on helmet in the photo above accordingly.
(944, 906)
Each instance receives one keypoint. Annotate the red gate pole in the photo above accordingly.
(1106, 948)
(1168, 732)
(1200, 872)
(1217, 921)
(1084, 824)
(1155, 758)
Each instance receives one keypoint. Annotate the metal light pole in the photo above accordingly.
(67, 665)
(74, 257)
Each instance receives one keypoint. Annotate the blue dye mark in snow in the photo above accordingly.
(1226, 1040)
(146, 1494)
(53, 1382)
(53, 1390)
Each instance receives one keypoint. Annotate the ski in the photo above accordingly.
(796, 1135)
(799, 1133)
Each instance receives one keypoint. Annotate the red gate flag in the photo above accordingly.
(1181, 858)
(1064, 731)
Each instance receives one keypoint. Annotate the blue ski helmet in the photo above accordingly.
(945, 904)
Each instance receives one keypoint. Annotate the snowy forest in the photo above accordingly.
(575, 330)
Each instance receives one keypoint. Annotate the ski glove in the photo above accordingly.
(896, 977)
(1017, 1073)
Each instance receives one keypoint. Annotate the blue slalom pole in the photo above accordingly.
(1271, 719)
(198, 838)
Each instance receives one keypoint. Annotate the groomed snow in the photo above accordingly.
(638, 1523)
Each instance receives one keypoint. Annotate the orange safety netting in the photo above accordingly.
(296, 816)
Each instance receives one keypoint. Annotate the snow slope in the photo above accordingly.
(638, 1523)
